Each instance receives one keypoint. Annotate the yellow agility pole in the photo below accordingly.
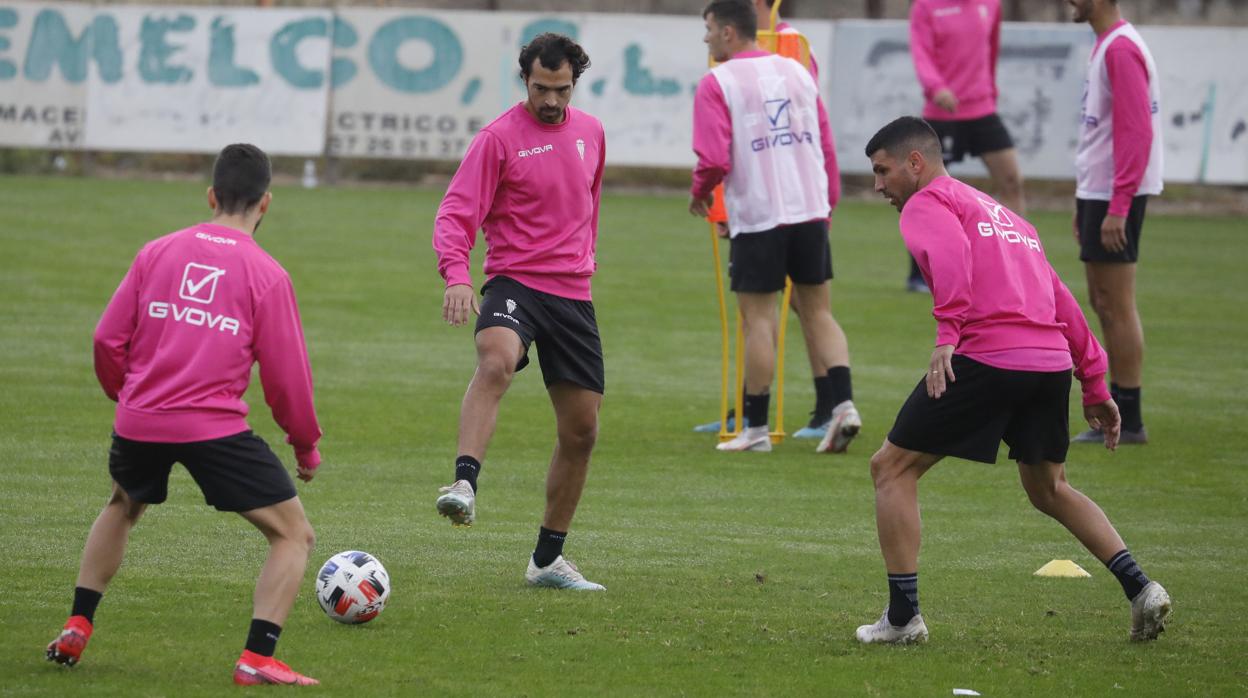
(724, 435)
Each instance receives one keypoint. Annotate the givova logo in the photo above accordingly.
(778, 113)
(199, 282)
(524, 153)
(1001, 225)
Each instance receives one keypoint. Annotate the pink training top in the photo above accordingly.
(1133, 127)
(712, 137)
(954, 45)
(534, 189)
(995, 297)
(177, 341)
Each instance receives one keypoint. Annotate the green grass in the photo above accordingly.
(742, 574)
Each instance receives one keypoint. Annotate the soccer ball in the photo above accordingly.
(352, 587)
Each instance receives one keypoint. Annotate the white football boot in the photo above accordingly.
(911, 633)
(1149, 611)
(458, 503)
(845, 425)
(752, 439)
(560, 574)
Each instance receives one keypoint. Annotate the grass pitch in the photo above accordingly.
(727, 574)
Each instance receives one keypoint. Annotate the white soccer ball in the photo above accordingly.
(352, 587)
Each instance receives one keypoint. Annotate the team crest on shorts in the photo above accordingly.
(511, 306)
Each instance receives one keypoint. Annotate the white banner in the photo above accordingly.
(46, 56)
(197, 79)
(1039, 73)
(419, 84)
(1204, 102)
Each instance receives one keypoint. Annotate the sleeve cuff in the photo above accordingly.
(1094, 389)
(946, 334)
(1120, 205)
(458, 275)
(309, 459)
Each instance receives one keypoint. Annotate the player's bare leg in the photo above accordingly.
(101, 558)
(826, 345)
(760, 320)
(895, 472)
(576, 420)
(499, 349)
(1007, 178)
(1111, 293)
(106, 544)
(291, 539)
(1050, 493)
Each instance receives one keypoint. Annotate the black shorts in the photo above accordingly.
(566, 331)
(759, 262)
(1029, 410)
(1090, 214)
(987, 134)
(235, 473)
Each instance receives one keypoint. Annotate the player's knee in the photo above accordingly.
(128, 507)
(580, 436)
(495, 369)
(308, 535)
(883, 468)
(1043, 495)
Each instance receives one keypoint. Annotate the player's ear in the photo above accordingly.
(212, 198)
(265, 201)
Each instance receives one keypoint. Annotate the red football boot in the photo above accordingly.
(253, 670)
(68, 646)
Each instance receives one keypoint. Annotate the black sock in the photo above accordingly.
(1128, 400)
(549, 546)
(823, 401)
(1129, 574)
(85, 602)
(903, 598)
(915, 273)
(466, 468)
(262, 638)
(842, 385)
(756, 409)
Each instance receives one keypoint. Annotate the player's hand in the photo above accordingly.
(1114, 233)
(305, 474)
(701, 207)
(1104, 416)
(721, 229)
(945, 99)
(1074, 227)
(458, 301)
(940, 370)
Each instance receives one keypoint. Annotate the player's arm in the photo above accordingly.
(113, 333)
(829, 155)
(277, 339)
(994, 51)
(933, 234)
(1091, 362)
(712, 143)
(923, 53)
(596, 187)
(1133, 135)
(462, 211)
